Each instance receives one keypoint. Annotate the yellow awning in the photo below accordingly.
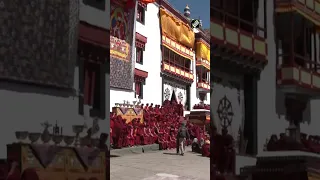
(202, 51)
(176, 29)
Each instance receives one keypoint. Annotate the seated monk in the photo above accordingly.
(145, 137)
(117, 131)
(30, 174)
(162, 142)
(311, 144)
(172, 141)
(111, 129)
(206, 149)
(153, 135)
(111, 140)
(139, 135)
(130, 136)
(273, 143)
(305, 142)
(123, 137)
(229, 152)
(14, 172)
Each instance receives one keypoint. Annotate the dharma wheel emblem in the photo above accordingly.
(225, 112)
(180, 96)
(167, 94)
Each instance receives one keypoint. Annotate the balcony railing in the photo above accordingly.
(220, 15)
(310, 9)
(237, 33)
(204, 63)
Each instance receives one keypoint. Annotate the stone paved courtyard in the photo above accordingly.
(160, 165)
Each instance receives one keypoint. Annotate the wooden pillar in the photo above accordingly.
(292, 40)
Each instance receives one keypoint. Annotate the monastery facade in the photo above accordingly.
(163, 58)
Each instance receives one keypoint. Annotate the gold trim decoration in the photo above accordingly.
(202, 51)
(177, 48)
(177, 71)
(203, 85)
(175, 29)
(204, 63)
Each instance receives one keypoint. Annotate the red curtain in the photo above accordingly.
(89, 84)
(138, 88)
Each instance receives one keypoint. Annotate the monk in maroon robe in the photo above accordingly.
(117, 131)
(104, 147)
(217, 149)
(229, 152)
(206, 149)
(14, 173)
(130, 137)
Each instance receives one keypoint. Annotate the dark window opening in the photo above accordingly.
(139, 90)
(141, 14)
(94, 80)
(239, 13)
(139, 55)
(202, 75)
(299, 49)
(176, 60)
(173, 97)
(98, 4)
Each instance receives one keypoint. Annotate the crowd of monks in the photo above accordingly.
(202, 106)
(160, 125)
(307, 143)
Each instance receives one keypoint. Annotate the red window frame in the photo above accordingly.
(141, 14)
(139, 89)
(139, 55)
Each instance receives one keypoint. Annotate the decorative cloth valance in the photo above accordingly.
(202, 51)
(177, 30)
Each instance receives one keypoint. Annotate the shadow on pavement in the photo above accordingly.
(112, 156)
(166, 153)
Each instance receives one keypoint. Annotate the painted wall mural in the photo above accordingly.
(121, 38)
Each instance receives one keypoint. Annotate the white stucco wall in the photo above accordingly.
(24, 107)
(152, 90)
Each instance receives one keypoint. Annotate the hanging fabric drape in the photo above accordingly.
(137, 88)
(181, 94)
(167, 91)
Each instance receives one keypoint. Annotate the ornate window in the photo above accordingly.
(140, 46)
(139, 55)
(139, 81)
(141, 13)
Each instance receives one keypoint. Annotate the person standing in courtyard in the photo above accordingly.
(183, 135)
